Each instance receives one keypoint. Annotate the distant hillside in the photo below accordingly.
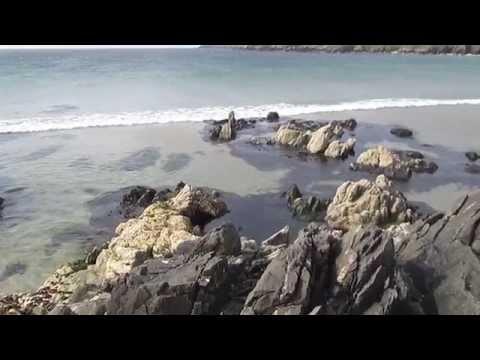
(412, 49)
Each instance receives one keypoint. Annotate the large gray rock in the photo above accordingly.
(323, 274)
(286, 285)
(367, 280)
(442, 256)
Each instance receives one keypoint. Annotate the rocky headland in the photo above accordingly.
(391, 49)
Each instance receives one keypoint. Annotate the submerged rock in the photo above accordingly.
(472, 168)
(395, 164)
(472, 156)
(401, 132)
(367, 202)
(12, 269)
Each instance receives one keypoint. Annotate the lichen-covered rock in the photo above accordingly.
(394, 164)
(159, 230)
(321, 139)
(291, 137)
(317, 138)
(340, 150)
(364, 202)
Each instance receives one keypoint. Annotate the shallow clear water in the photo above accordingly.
(49, 178)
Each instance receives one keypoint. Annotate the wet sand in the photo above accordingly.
(48, 179)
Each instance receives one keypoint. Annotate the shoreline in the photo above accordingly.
(202, 235)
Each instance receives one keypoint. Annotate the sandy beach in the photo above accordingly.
(49, 179)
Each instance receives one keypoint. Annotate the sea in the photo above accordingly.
(76, 126)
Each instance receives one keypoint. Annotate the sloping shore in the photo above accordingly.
(392, 49)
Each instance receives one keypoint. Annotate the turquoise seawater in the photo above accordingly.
(63, 89)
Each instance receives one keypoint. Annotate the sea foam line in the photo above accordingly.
(74, 121)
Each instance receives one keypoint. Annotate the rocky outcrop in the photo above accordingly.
(309, 277)
(212, 277)
(321, 139)
(159, 231)
(394, 164)
(442, 253)
(374, 257)
(226, 130)
(318, 139)
(305, 208)
(404, 49)
(366, 202)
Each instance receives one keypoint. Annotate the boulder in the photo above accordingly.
(395, 164)
(367, 202)
(340, 150)
(401, 132)
(288, 136)
(273, 117)
(321, 139)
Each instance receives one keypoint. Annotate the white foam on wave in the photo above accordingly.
(71, 121)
